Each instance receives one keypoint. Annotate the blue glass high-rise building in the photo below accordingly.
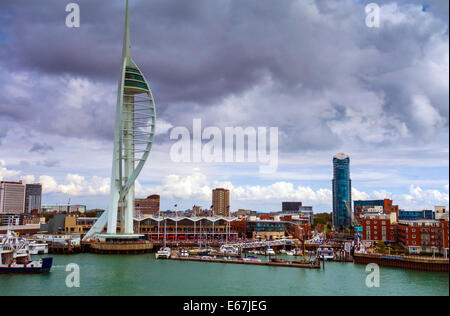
(342, 192)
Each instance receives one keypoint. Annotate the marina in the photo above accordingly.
(144, 275)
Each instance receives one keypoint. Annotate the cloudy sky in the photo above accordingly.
(311, 68)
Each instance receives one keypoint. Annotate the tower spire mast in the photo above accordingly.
(126, 37)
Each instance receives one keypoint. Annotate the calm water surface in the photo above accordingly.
(143, 275)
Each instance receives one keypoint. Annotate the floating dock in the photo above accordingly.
(292, 264)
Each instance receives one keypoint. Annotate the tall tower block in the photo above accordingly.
(342, 192)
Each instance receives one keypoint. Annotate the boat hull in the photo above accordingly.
(45, 268)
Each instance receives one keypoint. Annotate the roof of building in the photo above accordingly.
(341, 156)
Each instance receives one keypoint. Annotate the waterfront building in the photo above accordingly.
(342, 192)
(422, 235)
(273, 229)
(58, 209)
(147, 206)
(55, 225)
(133, 139)
(221, 202)
(78, 225)
(413, 215)
(184, 228)
(378, 227)
(33, 198)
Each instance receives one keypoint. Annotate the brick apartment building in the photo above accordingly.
(423, 235)
(378, 228)
(147, 206)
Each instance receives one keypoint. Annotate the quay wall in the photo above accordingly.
(404, 262)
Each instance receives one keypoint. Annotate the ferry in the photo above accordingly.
(15, 257)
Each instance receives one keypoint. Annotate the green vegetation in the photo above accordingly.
(324, 219)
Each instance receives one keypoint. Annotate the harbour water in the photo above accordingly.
(144, 275)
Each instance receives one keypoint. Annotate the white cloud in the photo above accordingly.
(6, 174)
(76, 185)
(28, 179)
(419, 198)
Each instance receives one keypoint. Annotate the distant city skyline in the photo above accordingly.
(378, 94)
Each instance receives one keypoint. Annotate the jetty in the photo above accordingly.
(273, 262)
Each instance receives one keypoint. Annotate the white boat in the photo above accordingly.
(163, 253)
(270, 252)
(325, 253)
(290, 253)
(15, 257)
(37, 248)
(184, 253)
(229, 250)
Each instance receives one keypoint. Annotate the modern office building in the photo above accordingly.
(297, 208)
(342, 192)
(147, 206)
(33, 197)
(12, 197)
(221, 202)
(415, 215)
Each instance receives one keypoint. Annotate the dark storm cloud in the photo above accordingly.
(41, 148)
(330, 76)
(48, 163)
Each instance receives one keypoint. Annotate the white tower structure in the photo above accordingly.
(133, 139)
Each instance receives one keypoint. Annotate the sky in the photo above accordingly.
(313, 69)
